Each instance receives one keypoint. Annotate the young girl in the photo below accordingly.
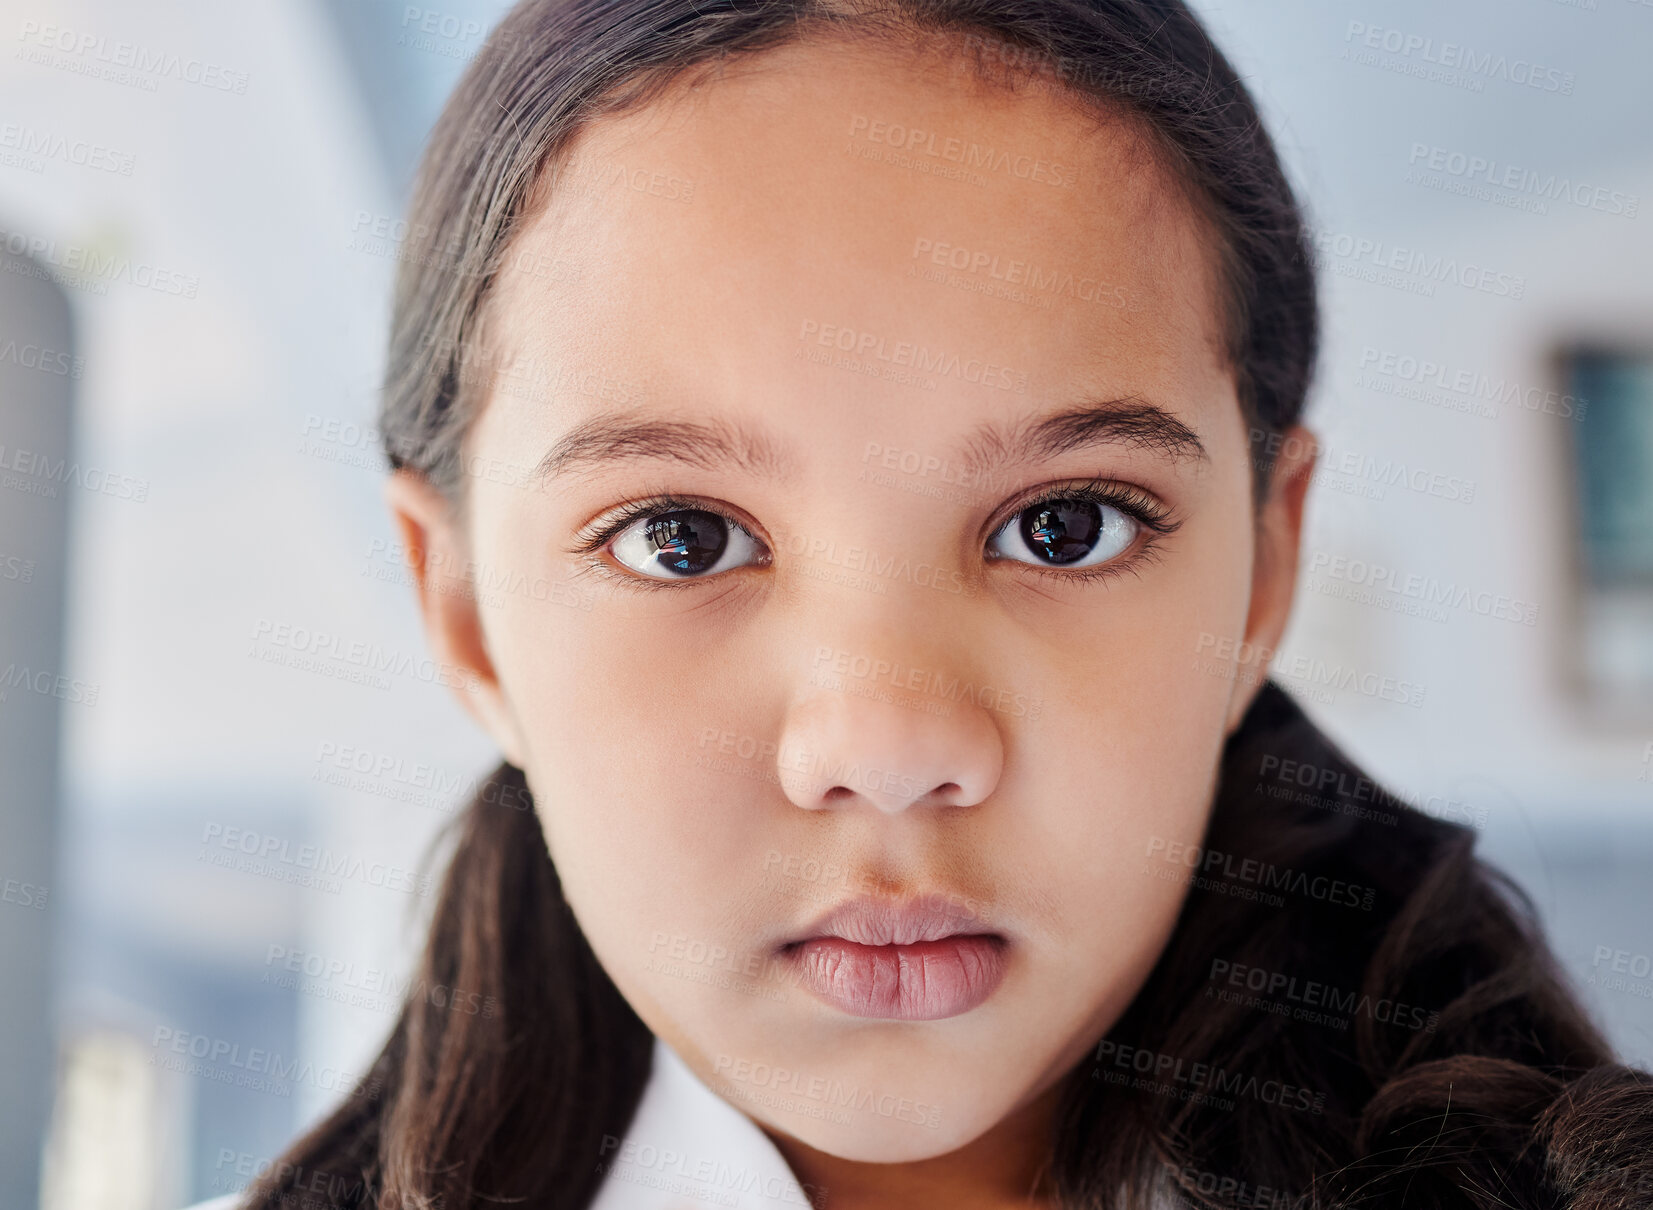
(851, 457)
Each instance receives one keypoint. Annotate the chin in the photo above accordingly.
(881, 1140)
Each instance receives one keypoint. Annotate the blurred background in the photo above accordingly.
(198, 228)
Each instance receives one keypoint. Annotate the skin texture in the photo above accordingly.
(705, 787)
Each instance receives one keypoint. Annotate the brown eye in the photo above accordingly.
(683, 544)
(1065, 531)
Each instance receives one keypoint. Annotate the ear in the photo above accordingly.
(1274, 566)
(438, 555)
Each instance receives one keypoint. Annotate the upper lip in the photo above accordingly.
(869, 920)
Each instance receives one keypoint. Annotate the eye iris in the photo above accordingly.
(689, 541)
(1063, 531)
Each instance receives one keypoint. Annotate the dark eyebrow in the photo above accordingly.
(696, 443)
(1129, 421)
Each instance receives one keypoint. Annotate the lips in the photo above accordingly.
(903, 961)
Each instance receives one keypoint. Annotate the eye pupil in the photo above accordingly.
(1062, 531)
(689, 541)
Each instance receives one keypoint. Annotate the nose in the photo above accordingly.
(839, 748)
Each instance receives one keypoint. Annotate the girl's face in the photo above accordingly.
(862, 536)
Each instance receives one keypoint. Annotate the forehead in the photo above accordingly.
(821, 205)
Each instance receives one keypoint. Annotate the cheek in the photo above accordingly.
(1136, 666)
(635, 771)
(1136, 715)
(660, 838)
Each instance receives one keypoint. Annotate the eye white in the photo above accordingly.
(634, 548)
(1112, 538)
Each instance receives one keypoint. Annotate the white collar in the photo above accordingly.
(688, 1147)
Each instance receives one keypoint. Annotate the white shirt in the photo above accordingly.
(687, 1148)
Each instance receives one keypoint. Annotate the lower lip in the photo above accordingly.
(924, 981)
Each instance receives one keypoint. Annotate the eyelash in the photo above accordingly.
(595, 535)
(1155, 518)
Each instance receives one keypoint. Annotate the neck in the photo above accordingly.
(1004, 1168)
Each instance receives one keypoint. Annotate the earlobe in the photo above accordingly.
(1279, 531)
(437, 554)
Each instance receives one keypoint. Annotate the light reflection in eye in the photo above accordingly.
(1065, 532)
(683, 544)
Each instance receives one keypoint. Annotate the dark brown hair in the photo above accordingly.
(1495, 1091)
